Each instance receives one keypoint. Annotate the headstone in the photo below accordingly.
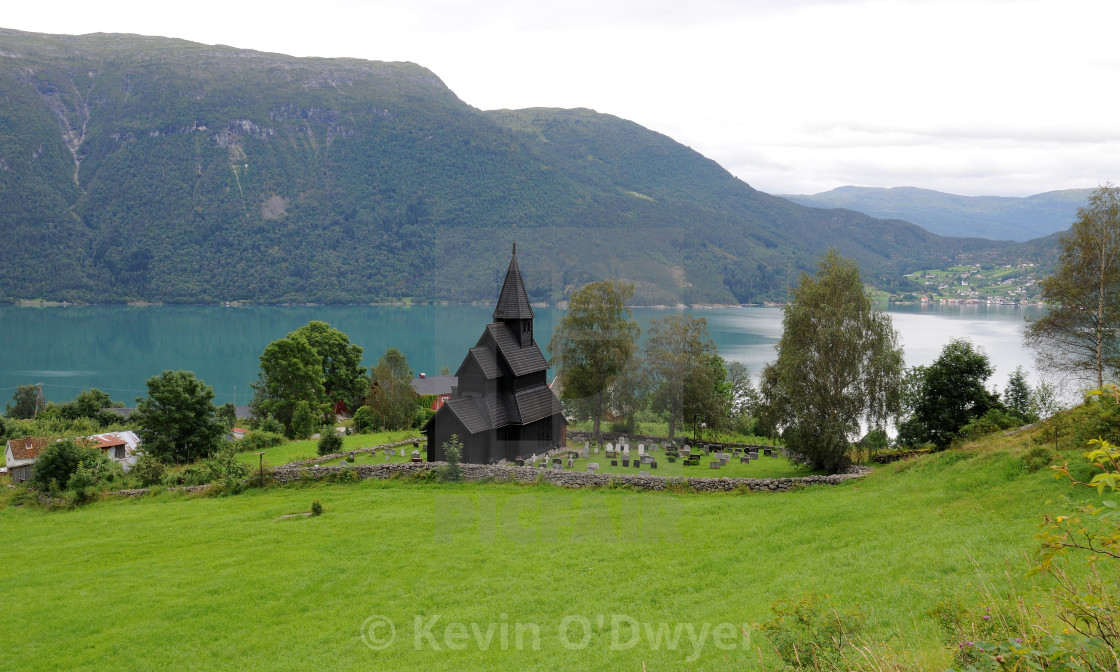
(519, 462)
(586, 450)
(687, 448)
(643, 473)
(715, 464)
(625, 462)
(402, 452)
(610, 448)
(637, 464)
(723, 461)
(556, 466)
(571, 462)
(641, 448)
(596, 450)
(592, 467)
(614, 463)
(754, 455)
(653, 465)
(769, 452)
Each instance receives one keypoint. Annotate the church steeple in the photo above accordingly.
(513, 307)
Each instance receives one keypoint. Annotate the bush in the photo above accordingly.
(423, 415)
(453, 452)
(330, 442)
(809, 632)
(149, 471)
(994, 420)
(57, 463)
(316, 508)
(270, 425)
(226, 470)
(1038, 458)
(258, 440)
(303, 421)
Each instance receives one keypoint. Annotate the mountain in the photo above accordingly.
(995, 217)
(154, 169)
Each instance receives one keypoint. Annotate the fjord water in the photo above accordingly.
(116, 348)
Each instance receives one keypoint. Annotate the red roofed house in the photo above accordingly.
(21, 455)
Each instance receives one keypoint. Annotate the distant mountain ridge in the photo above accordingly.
(994, 217)
(154, 169)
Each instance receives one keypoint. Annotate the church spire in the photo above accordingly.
(513, 302)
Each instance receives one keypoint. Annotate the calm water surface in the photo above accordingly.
(116, 348)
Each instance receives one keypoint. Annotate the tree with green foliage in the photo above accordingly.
(57, 463)
(304, 421)
(291, 375)
(707, 398)
(950, 393)
(227, 415)
(1017, 396)
(92, 404)
(1080, 333)
(745, 403)
(176, 419)
(365, 420)
(344, 377)
(592, 345)
(680, 356)
(28, 403)
(149, 470)
(839, 366)
(391, 397)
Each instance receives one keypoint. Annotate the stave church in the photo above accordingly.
(502, 407)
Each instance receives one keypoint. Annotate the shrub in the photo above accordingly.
(810, 632)
(316, 508)
(303, 421)
(149, 470)
(226, 470)
(271, 425)
(423, 415)
(57, 463)
(258, 440)
(1038, 458)
(453, 452)
(330, 442)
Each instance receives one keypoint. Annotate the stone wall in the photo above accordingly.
(568, 479)
(576, 437)
(372, 449)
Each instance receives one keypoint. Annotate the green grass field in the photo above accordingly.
(173, 582)
(305, 450)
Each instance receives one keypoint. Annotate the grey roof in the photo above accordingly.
(536, 403)
(486, 361)
(513, 302)
(475, 419)
(521, 360)
(434, 384)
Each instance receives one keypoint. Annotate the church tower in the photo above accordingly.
(513, 309)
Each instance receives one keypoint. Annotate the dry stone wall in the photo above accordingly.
(568, 479)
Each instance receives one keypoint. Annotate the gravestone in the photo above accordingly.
(744, 460)
(519, 462)
(643, 473)
(754, 455)
(614, 463)
(586, 450)
(715, 464)
(653, 465)
(637, 464)
(571, 462)
(556, 466)
(769, 452)
(610, 447)
(592, 467)
(625, 462)
(402, 452)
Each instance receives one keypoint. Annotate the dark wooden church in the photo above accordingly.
(502, 407)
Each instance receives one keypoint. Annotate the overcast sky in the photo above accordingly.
(1003, 97)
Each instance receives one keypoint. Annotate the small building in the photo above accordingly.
(439, 386)
(21, 455)
(122, 447)
(501, 407)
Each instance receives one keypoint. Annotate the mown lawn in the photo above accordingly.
(292, 451)
(170, 582)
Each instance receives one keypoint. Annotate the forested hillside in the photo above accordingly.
(136, 168)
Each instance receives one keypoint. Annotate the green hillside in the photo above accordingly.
(137, 168)
(995, 217)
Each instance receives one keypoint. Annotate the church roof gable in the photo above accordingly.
(521, 360)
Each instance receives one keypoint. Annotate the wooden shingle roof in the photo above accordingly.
(536, 403)
(28, 448)
(475, 419)
(513, 302)
(521, 360)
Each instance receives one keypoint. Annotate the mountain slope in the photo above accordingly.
(163, 170)
(995, 217)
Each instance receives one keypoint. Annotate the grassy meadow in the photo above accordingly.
(177, 582)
